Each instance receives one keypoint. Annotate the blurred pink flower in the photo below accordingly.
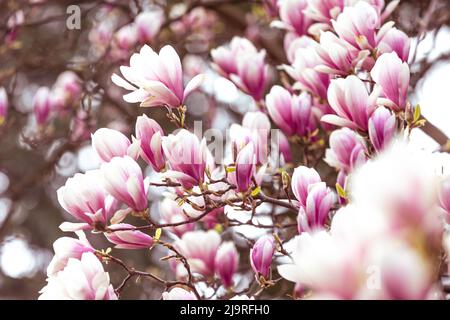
(292, 16)
(42, 105)
(226, 262)
(171, 212)
(177, 293)
(148, 24)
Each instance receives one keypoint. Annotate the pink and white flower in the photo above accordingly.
(149, 133)
(292, 16)
(352, 103)
(85, 198)
(382, 127)
(81, 279)
(226, 262)
(156, 79)
(148, 24)
(110, 143)
(178, 293)
(347, 150)
(302, 178)
(42, 105)
(128, 239)
(261, 255)
(391, 74)
(123, 179)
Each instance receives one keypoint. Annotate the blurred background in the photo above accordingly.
(40, 40)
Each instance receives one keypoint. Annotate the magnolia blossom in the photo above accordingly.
(225, 58)
(396, 41)
(261, 255)
(293, 17)
(347, 150)
(324, 10)
(382, 126)
(3, 105)
(148, 24)
(200, 248)
(316, 211)
(171, 212)
(81, 279)
(85, 198)
(359, 26)
(187, 157)
(392, 76)
(350, 100)
(336, 56)
(155, 79)
(128, 239)
(245, 168)
(303, 70)
(66, 248)
(226, 262)
(292, 113)
(126, 37)
(302, 178)
(252, 74)
(42, 105)
(149, 133)
(109, 143)
(66, 90)
(178, 293)
(122, 178)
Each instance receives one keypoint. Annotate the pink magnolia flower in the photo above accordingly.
(304, 72)
(110, 143)
(187, 157)
(66, 248)
(81, 279)
(359, 26)
(292, 43)
(284, 147)
(324, 10)
(156, 79)
(292, 113)
(252, 74)
(42, 105)
(4, 105)
(392, 76)
(84, 197)
(293, 17)
(150, 134)
(66, 90)
(315, 213)
(350, 100)
(302, 178)
(245, 168)
(225, 58)
(347, 150)
(261, 255)
(177, 293)
(336, 56)
(226, 262)
(148, 24)
(382, 127)
(122, 178)
(395, 41)
(200, 248)
(128, 239)
(258, 125)
(126, 37)
(171, 212)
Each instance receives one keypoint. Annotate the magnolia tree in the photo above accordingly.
(245, 170)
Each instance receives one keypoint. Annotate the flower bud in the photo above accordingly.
(261, 255)
(150, 134)
(128, 239)
(226, 262)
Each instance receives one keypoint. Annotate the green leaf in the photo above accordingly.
(341, 192)
(256, 191)
(417, 113)
(230, 169)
